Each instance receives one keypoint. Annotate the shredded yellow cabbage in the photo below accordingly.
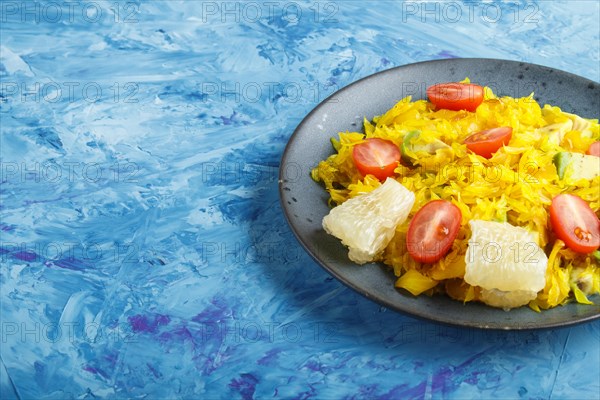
(516, 185)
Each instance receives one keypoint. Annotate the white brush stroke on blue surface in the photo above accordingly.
(144, 253)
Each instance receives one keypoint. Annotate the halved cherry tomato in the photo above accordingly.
(378, 157)
(456, 96)
(575, 223)
(432, 231)
(487, 142)
(594, 149)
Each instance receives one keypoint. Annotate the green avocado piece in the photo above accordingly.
(575, 166)
(561, 160)
(409, 148)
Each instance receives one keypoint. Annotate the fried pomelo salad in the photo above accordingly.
(483, 198)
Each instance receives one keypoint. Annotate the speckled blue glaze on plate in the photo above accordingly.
(144, 253)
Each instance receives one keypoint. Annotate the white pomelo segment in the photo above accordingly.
(504, 257)
(366, 224)
(507, 300)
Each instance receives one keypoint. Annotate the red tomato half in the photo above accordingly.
(594, 149)
(433, 230)
(378, 157)
(575, 223)
(486, 143)
(456, 96)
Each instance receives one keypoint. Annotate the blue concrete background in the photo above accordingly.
(144, 251)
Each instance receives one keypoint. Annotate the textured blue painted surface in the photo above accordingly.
(144, 252)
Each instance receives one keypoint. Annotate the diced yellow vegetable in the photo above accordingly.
(415, 282)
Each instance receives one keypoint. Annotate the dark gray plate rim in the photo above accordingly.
(304, 201)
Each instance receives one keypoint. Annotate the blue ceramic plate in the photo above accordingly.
(305, 201)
